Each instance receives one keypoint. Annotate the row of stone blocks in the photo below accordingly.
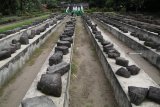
(144, 26)
(141, 33)
(36, 22)
(136, 94)
(23, 40)
(145, 46)
(15, 56)
(51, 83)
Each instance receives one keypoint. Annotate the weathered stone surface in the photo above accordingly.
(123, 72)
(14, 41)
(46, 25)
(134, 70)
(151, 44)
(24, 40)
(50, 84)
(121, 61)
(62, 36)
(2, 36)
(38, 32)
(133, 34)
(105, 42)
(61, 68)
(99, 37)
(33, 33)
(113, 54)
(64, 49)
(158, 49)
(4, 54)
(154, 94)
(56, 58)
(70, 33)
(64, 43)
(123, 29)
(137, 94)
(8, 32)
(108, 47)
(67, 39)
(40, 101)
(11, 48)
(16, 46)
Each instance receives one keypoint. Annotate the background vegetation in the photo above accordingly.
(18, 7)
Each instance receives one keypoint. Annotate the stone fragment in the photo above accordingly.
(4, 54)
(137, 94)
(40, 101)
(121, 61)
(134, 70)
(61, 68)
(64, 43)
(56, 58)
(50, 84)
(123, 72)
(64, 49)
(154, 94)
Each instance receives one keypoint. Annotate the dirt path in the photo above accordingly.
(89, 87)
(12, 94)
(152, 71)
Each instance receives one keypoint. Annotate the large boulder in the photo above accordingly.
(134, 70)
(40, 101)
(121, 61)
(50, 84)
(137, 94)
(4, 54)
(64, 49)
(56, 58)
(123, 72)
(61, 68)
(64, 43)
(154, 94)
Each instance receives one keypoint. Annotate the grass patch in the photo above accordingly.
(74, 67)
(20, 24)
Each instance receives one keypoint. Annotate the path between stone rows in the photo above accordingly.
(89, 86)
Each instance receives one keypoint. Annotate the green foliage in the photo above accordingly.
(19, 24)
